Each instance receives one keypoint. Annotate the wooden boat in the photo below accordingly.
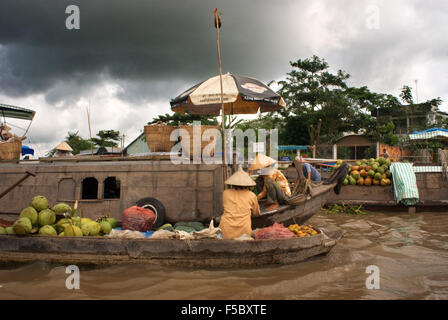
(296, 214)
(175, 192)
(179, 253)
(432, 186)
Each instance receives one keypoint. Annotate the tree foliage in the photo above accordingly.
(184, 119)
(107, 138)
(76, 142)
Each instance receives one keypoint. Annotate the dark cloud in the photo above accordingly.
(147, 41)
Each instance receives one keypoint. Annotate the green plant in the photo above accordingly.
(345, 209)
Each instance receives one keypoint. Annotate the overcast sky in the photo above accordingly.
(129, 58)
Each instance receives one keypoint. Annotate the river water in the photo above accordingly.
(410, 251)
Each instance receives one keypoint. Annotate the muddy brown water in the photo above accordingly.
(410, 251)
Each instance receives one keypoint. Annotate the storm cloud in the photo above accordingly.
(129, 58)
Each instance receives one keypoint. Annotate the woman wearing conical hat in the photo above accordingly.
(239, 205)
(275, 185)
(63, 150)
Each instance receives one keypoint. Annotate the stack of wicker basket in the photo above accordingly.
(212, 141)
(158, 137)
(10, 150)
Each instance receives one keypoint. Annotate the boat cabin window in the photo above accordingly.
(111, 188)
(89, 188)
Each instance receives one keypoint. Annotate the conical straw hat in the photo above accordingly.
(63, 146)
(242, 179)
(261, 161)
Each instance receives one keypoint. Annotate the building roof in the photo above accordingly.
(8, 111)
(133, 141)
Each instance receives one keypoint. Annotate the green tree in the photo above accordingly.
(406, 95)
(76, 142)
(184, 119)
(107, 138)
(312, 92)
(386, 134)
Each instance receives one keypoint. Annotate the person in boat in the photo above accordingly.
(309, 171)
(275, 185)
(63, 150)
(239, 204)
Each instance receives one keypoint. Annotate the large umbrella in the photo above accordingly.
(241, 95)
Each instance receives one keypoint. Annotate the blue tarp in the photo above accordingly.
(27, 150)
(430, 130)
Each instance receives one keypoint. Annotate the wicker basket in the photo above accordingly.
(158, 137)
(203, 143)
(10, 150)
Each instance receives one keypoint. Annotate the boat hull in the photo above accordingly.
(179, 253)
(296, 214)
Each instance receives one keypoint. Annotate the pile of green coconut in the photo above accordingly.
(59, 220)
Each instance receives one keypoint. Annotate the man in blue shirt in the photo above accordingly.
(309, 171)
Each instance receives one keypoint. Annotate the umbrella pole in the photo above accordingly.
(218, 24)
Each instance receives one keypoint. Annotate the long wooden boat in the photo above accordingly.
(432, 188)
(299, 214)
(180, 253)
(101, 185)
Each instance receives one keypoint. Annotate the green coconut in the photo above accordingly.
(371, 173)
(30, 213)
(61, 208)
(91, 229)
(377, 176)
(345, 182)
(77, 230)
(77, 221)
(3, 230)
(68, 230)
(106, 228)
(39, 203)
(113, 222)
(46, 217)
(71, 230)
(22, 226)
(352, 181)
(9, 230)
(85, 220)
(381, 160)
(388, 174)
(380, 170)
(60, 225)
(48, 230)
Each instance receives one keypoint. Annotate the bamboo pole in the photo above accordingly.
(218, 23)
(90, 130)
